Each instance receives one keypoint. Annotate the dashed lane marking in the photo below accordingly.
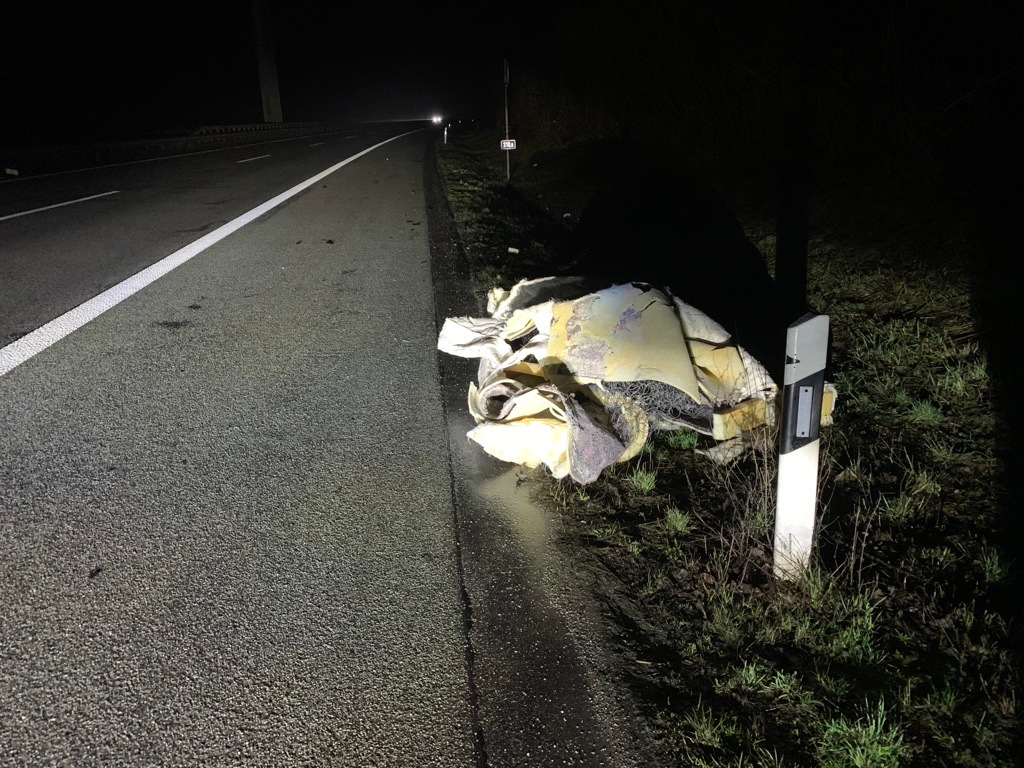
(31, 344)
(58, 205)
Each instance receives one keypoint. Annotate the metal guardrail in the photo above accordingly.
(37, 160)
(212, 130)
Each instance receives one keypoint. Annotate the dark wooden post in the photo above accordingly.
(791, 215)
(269, 89)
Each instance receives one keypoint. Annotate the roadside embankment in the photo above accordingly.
(897, 647)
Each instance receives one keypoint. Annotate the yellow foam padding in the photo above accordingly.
(530, 442)
(738, 419)
(534, 403)
(623, 333)
(635, 417)
(828, 403)
(518, 325)
(722, 365)
(524, 368)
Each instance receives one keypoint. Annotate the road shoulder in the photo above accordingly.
(547, 685)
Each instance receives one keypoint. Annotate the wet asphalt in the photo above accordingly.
(550, 690)
(240, 523)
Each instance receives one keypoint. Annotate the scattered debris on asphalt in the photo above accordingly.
(576, 381)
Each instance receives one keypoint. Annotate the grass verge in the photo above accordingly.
(894, 648)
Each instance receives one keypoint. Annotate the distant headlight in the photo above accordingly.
(436, 119)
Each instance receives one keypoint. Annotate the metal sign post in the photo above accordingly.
(508, 157)
(804, 384)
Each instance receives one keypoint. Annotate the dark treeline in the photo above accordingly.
(898, 88)
(909, 108)
(107, 71)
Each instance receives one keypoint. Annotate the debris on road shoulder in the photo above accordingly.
(576, 381)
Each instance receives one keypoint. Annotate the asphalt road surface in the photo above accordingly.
(228, 514)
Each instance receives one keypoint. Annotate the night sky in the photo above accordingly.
(99, 70)
(878, 81)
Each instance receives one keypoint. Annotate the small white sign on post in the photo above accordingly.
(508, 143)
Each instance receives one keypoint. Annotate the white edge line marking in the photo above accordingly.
(31, 344)
(250, 159)
(317, 144)
(58, 205)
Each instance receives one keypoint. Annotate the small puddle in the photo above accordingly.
(508, 493)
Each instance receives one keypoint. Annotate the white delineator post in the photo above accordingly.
(804, 383)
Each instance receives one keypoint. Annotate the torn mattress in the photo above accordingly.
(576, 382)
